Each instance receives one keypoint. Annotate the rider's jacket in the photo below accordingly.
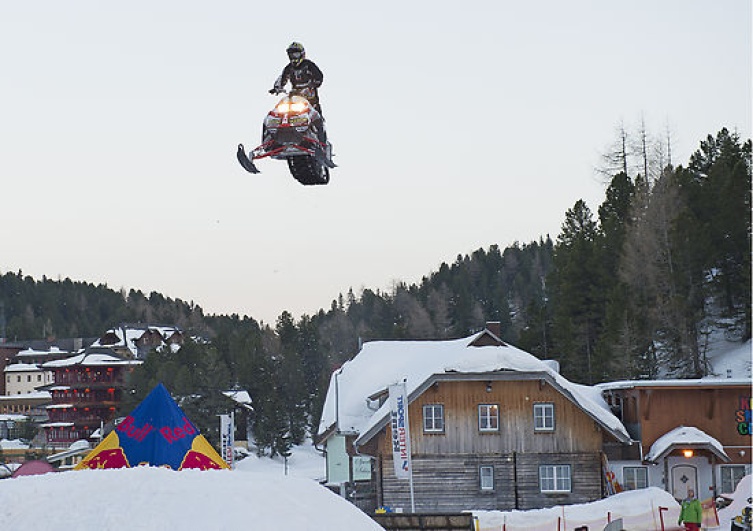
(305, 75)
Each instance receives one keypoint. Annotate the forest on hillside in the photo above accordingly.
(631, 289)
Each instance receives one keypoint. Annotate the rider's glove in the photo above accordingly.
(273, 90)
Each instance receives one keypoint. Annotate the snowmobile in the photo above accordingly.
(293, 131)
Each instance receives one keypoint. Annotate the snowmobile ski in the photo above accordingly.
(245, 161)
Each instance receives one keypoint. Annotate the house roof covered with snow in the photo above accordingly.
(90, 359)
(420, 363)
(127, 335)
(685, 437)
(693, 383)
(240, 397)
(35, 395)
(52, 351)
(22, 367)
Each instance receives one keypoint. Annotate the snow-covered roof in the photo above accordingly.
(22, 367)
(128, 335)
(14, 444)
(59, 406)
(12, 417)
(53, 351)
(57, 424)
(241, 397)
(35, 395)
(381, 363)
(92, 359)
(685, 437)
(698, 382)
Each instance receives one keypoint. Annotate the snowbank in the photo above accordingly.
(739, 501)
(639, 509)
(147, 498)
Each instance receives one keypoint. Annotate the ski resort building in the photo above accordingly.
(491, 427)
(137, 340)
(693, 434)
(87, 391)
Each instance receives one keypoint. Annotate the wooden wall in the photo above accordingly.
(713, 410)
(574, 431)
(446, 465)
(451, 482)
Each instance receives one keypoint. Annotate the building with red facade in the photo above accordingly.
(87, 391)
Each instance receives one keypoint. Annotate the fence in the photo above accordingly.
(653, 519)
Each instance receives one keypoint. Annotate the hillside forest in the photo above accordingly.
(630, 289)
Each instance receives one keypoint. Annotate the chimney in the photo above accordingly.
(495, 327)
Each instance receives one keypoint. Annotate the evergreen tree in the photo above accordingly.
(578, 295)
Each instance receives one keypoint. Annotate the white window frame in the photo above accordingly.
(543, 417)
(631, 479)
(486, 477)
(555, 478)
(729, 471)
(488, 417)
(432, 422)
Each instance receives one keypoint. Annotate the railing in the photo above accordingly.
(68, 378)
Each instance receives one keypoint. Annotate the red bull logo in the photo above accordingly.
(114, 458)
(198, 460)
(174, 434)
(130, 430)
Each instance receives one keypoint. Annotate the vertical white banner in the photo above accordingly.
(400, 431)
(227, 438)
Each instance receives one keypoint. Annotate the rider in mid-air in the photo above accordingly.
(306, 78)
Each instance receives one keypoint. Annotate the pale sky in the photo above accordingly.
(455, 125)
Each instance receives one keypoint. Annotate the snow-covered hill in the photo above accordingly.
(254, 496)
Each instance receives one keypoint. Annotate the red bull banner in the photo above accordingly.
(156, 433)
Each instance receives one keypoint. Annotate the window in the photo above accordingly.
(486, 477)
(18, 379)
(28, 377)
(434, 418)
(555, 478)
(543, 417)
(39, 377)
(634, 477)
(488, 417)
(731, 476)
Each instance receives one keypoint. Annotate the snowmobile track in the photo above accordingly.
(308, 170)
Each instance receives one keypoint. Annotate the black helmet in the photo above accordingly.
(296, 53)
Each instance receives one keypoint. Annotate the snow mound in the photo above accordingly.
(148, 498)
(739, 501)
(638, 508)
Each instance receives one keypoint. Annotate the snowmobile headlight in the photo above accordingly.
(294, 107)
(299, 107)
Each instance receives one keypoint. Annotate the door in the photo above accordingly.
(684, 478)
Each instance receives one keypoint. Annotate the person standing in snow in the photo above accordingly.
(690, 512)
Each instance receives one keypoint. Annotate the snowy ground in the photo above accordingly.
(257, 495)
(264, 493)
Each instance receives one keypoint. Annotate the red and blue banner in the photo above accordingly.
(156, 433)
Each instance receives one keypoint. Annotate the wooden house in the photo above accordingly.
(692, 434)
(491, 427)
(137, 340)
